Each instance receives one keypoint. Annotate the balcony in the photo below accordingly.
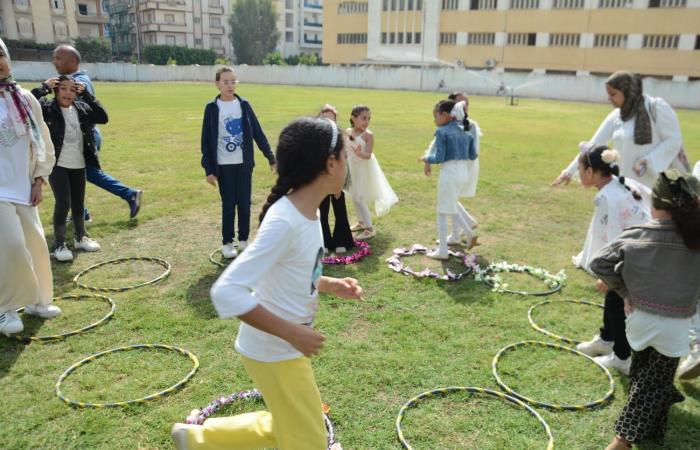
(172, 5)
(167, 27)
(312, 5)
(21, 5)
(313, 42)
(215, 8)
(311, 24)
(213, 29)
(91, 18)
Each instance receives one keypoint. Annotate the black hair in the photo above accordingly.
(356, 111)
(221, 70)
(445, 106)
(62, 78)
(303, 149)
(593, 158)
(455, 94)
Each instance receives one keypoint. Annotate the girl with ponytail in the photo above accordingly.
(273, 289)
(618, 205)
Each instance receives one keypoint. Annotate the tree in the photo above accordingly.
(94, 49)
(253, 30)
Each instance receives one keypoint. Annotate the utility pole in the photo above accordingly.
(138, 31)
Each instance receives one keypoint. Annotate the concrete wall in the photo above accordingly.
(680, 94)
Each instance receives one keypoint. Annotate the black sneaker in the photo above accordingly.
(134, 204)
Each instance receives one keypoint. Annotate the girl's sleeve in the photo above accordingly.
(440, 144)
(96, 113)
(43, 168)
(232, 294)
(430, 151)
(602, 136)
(607, 264)
(663, 154)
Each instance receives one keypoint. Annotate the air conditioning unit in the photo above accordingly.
(490, 63)
(459, 63)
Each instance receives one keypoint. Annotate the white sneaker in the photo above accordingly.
(242, 245)
(61, 253)
(436, 254)
(87, 244)
(180, 433)
(690, 366)
(611, 361)
(340, 250)
(595, 347)
(43, 311)
(228, 251)
(10, 323)
(451, 240)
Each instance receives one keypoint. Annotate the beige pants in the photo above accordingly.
(25, 267)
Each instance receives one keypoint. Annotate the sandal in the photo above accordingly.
(365, 234)
(359, 226)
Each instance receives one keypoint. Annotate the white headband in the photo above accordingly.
(334, 139)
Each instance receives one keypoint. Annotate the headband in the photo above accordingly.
(334, 139)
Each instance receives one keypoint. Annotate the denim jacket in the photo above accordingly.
(651, 266)
(252, 131)
(452, 143)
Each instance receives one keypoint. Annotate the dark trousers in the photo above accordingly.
(614, 325)
(68, 186)
(235, 187)
(342, 236)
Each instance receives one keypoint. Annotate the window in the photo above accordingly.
(215, 21)
(614, 3)
(416, 35)
(170, 40)
(667, 3)
(196, 41)
(481, 38)
(197, 20)
(392, 38)
(56, 4)
(399, 38)
(214, 3)
(660, 41)
(2, 26)
(697, 42)
(289, 20)
(82, 9)
(403, 5)
(564, 40)
(289, 4)
(21, 2)
(409, 38)
(383, 37)
(25, 27)
(568, 4)
(216, 42)
(522, 39)
(170, 19)
(352, 8)
(448, 38)
(352, 38)
(524, 4)
(483, 4)
(610, 40)
(289, 36)
(60, 29)
(448, 5)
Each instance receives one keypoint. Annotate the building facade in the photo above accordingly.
(300, 23)
(49, 21)
(652, 37)
(135, 24)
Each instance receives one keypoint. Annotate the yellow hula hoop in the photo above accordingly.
(158, 261)
(549, 333)
(91, 358)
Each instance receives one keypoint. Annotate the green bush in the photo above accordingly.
(222, 62)
(14, 43)
(274, 59)
(161, 54)
(94, 49)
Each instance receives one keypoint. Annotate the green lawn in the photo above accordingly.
(408, 336)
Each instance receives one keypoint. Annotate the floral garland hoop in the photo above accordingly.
(490, 276)
(441, 392)
(198, 416)
(363, 250)
(397, 265)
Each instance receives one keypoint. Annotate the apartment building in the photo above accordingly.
(300, 23)
(41, 21)
(652, 37)
(203, 24)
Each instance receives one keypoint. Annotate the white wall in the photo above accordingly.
(680, 94)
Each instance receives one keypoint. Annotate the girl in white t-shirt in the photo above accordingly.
(273, 288)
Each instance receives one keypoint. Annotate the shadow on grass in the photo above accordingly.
(10, 349)
(198, 296)
(682, 433)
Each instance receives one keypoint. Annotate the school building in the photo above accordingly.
(653, 37)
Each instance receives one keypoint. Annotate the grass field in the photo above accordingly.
(408, 336)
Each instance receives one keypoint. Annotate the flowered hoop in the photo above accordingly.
(556, 407)
(441, 392)
(54, 337)
(490, 276)
(91, 358)
(158, 261)
(198, 416)
(549, 333)
(214, 261)
(363, 250)
(397, 265)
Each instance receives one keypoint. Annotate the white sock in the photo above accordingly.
(442, 233)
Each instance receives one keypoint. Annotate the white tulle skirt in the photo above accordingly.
(368, 184)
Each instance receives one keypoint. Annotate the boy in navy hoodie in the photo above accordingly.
(228, 131)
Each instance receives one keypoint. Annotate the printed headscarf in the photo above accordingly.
(20, 112)
(630, 84)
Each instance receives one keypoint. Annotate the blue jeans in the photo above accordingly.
(235, 187)
(108, 183)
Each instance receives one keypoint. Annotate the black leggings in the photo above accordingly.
(614, 325)
(68, 186)
(341, 236)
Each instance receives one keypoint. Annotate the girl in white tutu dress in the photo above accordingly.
(368, 185)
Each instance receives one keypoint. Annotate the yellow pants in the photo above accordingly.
(294, 420)
(25, 267)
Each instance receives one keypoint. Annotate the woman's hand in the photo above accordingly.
(306, 340)
(640, 167)
(211, 179)
(36, 195)
(629, 309)
(564, 178)
(427, 170)
(600, 286)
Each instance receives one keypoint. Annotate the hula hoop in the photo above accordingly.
(91, 358)
(198, 416)
(54, 337)
(363, 250)
(549, 333)
(490, 277)
(441, 392)
(556, 407)
(211, 258)
(158, 261)
(398, 266)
